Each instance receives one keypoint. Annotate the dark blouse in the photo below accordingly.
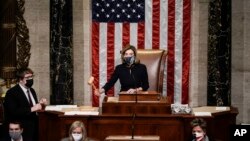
(129, 77)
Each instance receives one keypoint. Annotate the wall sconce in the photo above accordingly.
(8, 74)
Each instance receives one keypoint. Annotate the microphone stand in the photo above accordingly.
(134, 114)
(133, 127)
(136, 97)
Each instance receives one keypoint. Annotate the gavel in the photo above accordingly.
(90, 82)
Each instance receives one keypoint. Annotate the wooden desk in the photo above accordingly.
(167, 126)
(140, 96)
(129, 138)
(129, 108)
(148, 102)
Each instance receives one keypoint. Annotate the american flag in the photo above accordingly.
(146, 24)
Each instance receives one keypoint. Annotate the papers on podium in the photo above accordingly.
(58, 107)
(81, 113)
(209, 110)
(74, 109)
(113, 99)
(140, 96)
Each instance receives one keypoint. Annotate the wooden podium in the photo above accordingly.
(129, 138)
(147, 103)
(169, 127)
(140, 96)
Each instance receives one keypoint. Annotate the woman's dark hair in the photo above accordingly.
(199, 122)
(128, 47)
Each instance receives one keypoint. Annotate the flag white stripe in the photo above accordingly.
(118, 43)
(178, 50)
(133, 34)
(163, 24)
(164, 36)
(118, 48)
(103, 53)
(148, 24)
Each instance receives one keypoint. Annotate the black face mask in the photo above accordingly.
(29, 83)
(129, 60)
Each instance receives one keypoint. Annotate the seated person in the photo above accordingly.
(133, 75)
(199, 130)
(15, 132)
(77, 132)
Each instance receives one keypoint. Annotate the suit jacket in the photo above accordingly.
(9, 139)
(17, 108)
(16, 105)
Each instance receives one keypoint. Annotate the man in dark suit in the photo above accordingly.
(21, 104)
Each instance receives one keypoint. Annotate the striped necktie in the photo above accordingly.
(30, 101)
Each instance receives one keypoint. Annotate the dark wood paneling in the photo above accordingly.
(167, 126)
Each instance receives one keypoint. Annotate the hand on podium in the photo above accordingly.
(133, 91)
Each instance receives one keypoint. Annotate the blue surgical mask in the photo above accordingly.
(15, 135)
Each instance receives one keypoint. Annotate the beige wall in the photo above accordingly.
(37, 18)
(240, 58)
(198, 72)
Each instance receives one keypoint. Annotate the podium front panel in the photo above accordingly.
(135, 138)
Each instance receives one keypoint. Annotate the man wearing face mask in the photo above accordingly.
(21, 104)
(131, 73)
(15, 132)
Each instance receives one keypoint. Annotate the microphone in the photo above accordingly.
(133, 126)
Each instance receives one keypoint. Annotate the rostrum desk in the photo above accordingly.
(54, 126)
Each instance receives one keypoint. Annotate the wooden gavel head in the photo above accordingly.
(91, 80)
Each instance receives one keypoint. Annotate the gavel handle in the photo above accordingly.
(94, 87)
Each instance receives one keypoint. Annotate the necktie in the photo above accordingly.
(30, 101)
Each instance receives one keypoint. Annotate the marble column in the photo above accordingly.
(219, 53)
(61, 52)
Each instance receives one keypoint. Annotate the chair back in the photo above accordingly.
(154, 59)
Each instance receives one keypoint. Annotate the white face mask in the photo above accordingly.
(199, 135)
(77, 137)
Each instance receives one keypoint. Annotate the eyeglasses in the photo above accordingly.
(29, 77)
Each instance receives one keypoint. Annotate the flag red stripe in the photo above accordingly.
(171, 48)
(156, 24)
(110, 53)
(125, 34)
(186, 50)
(141, 35)
(95, 60)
